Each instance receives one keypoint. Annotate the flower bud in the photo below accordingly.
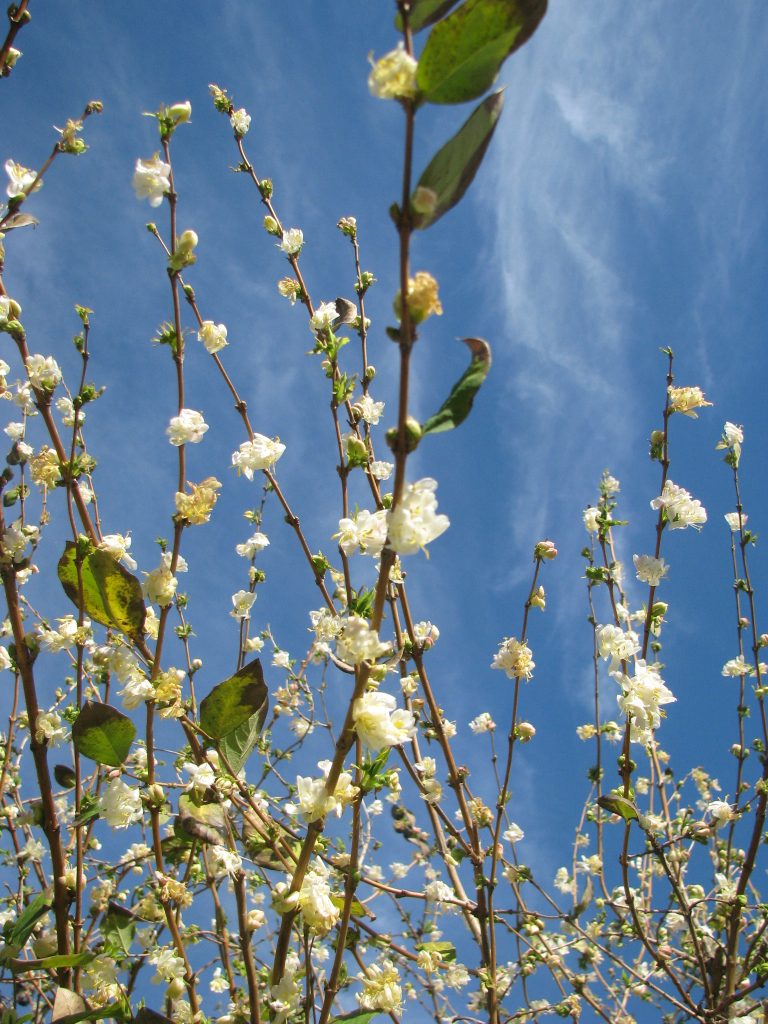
(180, 113)
(186, 242)
(220, 99)
(271, 226)
(538, 599)
(175, 988)
(412, 435)
(424, 200)
(545, 550)
(525, 732)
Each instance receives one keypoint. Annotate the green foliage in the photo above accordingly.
(103, 733)
(457, 405)
(232, 703)
(452, 170)
(110, 595)
(465, 51)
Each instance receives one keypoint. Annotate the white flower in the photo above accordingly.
(227, 862)
(19, 179)
(393, 76)
(281, 659)
(186, 428)
(650, 570)
(160, 585)
(721, 812)
(641, 699)
(260, 453)
(169, 964)
(738, 666)
(515, 657)
(370, 411)
(44, 373)
(151, 179)
(367, 531)
(5, 658)
(380, 723)
(680, 509)
(381, 989)
(67, 409)
(323, 316)
(483, 723)
(201, 776)
(358, 642)
(240, 121)
(438, 892)
(136, 691)
(514, 833)
(242, 603)
(255, 543)
(686, 400)
(590, 518)
(292, 241)
(48, 729)
(213, 336)
(120, 804)
(325, 625)
(732, 518)
(315, 802)
(117, 545)
(314, 900)
(15, 431)
(732, 434)
(218, 982)
(414, 522)
(381, 470)
(614, 643)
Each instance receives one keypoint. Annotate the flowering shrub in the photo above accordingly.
(311, 849)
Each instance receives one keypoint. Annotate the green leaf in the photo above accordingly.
(356, 908)
(455, 408)
(203, 821)
(103, 733)
(147, 1016)
(64, 775)
(424, 13)
(67, 1003)
(70, 1008)
(52, 962)
(119, 927)
(111, 595)
(238, 745)
(618, 805)
(452, 170)
(20, 220)
(16, 933)
(355, 1017)
(465, 51)
(230, 704)
(447, 950)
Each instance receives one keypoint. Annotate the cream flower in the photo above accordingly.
(213, 336)
(186, 428)
(260, 453)
(151, 179)
(393, 76)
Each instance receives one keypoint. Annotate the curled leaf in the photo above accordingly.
(455, 408)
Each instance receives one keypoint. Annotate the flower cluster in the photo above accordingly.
(414, 522)
(393, 76)
(515, 658)
(680, 509)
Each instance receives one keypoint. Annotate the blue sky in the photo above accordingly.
(621, 207)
